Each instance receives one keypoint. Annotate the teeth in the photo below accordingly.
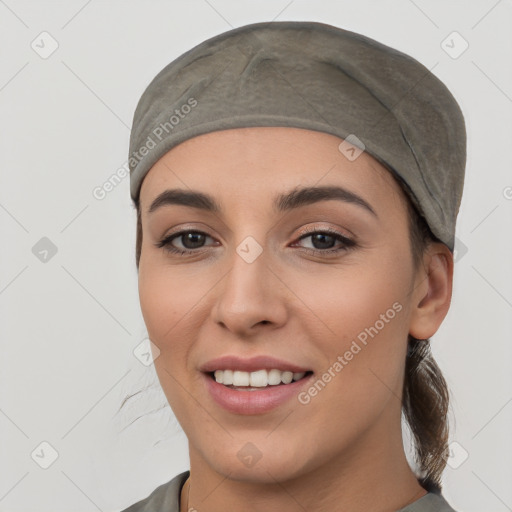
(257, 379)
(274, 377)
(240, 378)
(228, 377)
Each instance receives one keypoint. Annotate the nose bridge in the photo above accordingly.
(248, 294)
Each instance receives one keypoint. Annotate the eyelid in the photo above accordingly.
(165, 241)
(309, 230)
(347, 243)
(328, 229)
(181, 230)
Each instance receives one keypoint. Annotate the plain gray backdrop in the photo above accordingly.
(71, 328)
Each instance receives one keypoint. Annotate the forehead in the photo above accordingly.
(255, 162)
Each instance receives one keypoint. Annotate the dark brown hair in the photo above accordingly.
(425, 396)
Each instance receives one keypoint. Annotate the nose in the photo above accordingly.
(250, 296)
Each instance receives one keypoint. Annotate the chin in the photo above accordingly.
(258, 461)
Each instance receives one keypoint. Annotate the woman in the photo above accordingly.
(297, 187)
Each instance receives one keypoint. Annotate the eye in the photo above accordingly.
(190, 240)
(323, 241)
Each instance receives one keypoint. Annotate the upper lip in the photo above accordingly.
(232, 362)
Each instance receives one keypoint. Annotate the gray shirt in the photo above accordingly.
(166, 498)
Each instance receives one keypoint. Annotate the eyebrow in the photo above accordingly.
(296, 198)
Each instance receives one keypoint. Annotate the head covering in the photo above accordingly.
(318, 77)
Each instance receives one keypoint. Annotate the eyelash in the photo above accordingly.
(347, 242)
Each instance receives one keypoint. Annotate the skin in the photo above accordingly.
(344, 449)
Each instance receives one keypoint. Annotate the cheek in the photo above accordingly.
(364, 315)
(158, 305)
(349, 299)
(162, 301)
(167, 298)
(172, 300)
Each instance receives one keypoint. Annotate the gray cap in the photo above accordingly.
(318, 77)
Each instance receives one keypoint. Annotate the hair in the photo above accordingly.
(425, 396)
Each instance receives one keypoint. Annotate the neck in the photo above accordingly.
(370, 475)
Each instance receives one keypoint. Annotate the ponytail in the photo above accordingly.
(425, 407)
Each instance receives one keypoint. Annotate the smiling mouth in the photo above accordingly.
(258, 380)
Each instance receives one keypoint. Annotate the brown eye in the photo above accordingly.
(323, 241)
(190, 240)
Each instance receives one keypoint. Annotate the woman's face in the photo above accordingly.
(262, 278)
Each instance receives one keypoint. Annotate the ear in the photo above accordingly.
(432, 291)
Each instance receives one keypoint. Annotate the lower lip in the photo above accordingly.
(253, 402)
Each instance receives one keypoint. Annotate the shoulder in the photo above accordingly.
(430, 502)
(165, 498)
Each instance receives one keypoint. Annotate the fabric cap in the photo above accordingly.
(319, 77)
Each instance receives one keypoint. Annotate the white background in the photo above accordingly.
(69, 324)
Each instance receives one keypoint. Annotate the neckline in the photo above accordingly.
(429, 497)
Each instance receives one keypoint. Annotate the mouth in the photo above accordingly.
(255, 385)
(257, 380)
(256, 392)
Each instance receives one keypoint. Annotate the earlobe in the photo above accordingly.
(433, 292)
